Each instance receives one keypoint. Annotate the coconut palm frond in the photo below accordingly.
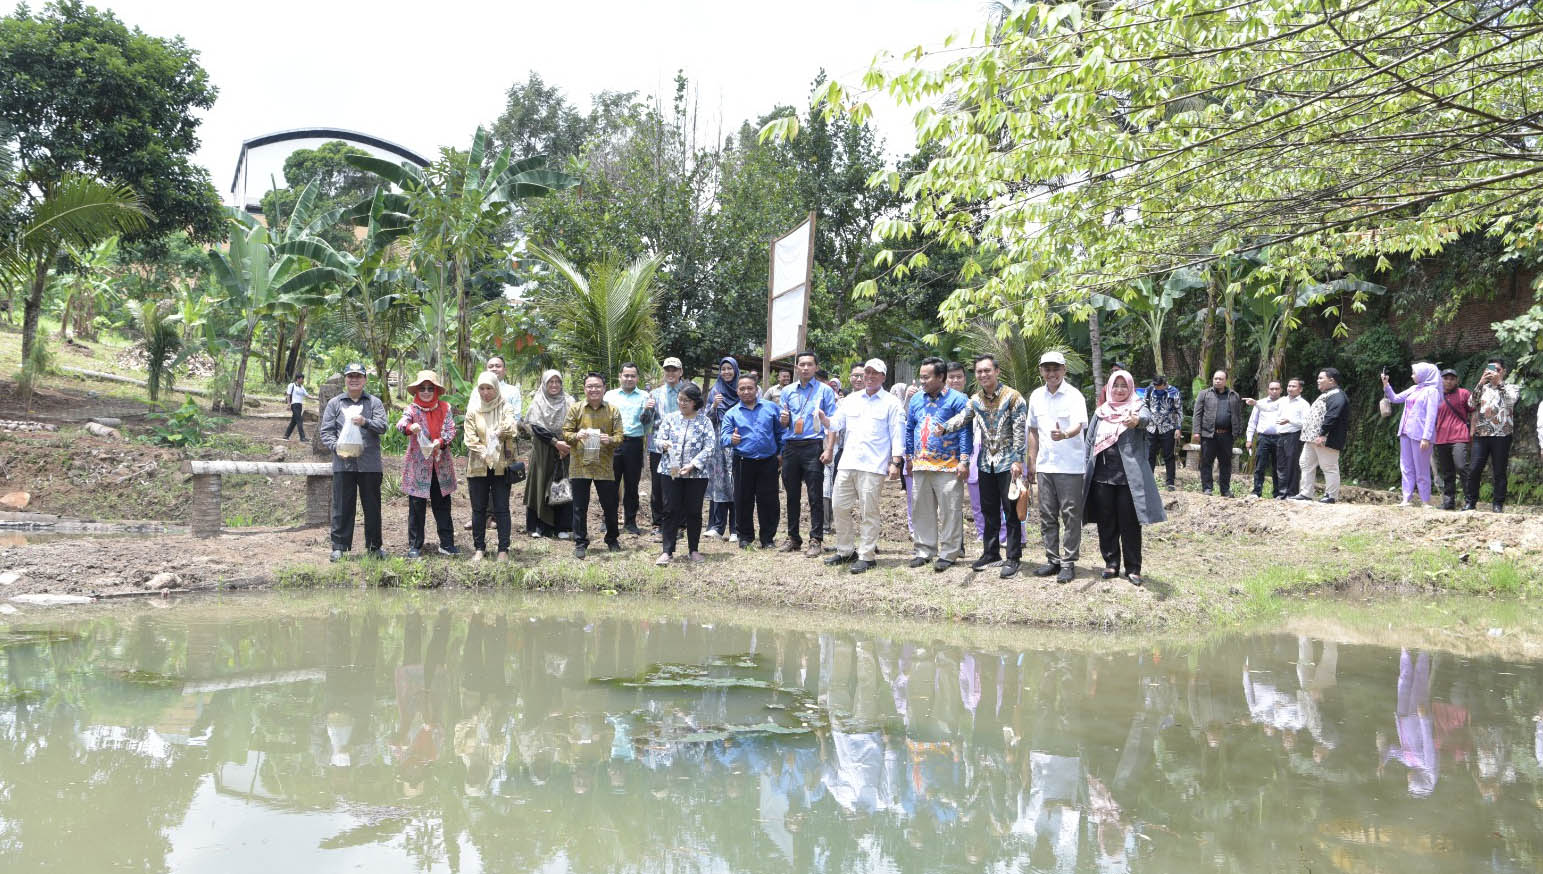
(1019, 352)
(602, 319)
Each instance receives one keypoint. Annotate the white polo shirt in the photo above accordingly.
(1064, 409)
(874, 427)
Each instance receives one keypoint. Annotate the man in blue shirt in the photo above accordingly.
(627, 464)
(754, 431)
(803, 440)
(661, 402)
(939, 464)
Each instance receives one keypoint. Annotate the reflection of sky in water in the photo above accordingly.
(462, 741)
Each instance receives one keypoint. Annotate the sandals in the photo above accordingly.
(1111, 572)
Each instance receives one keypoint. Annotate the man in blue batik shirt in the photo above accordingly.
(1167, 417)
(939, 464)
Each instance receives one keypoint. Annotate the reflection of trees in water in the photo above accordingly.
(669, 745)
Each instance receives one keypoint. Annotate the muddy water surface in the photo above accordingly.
(414, 734)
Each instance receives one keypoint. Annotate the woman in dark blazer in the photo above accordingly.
(1120, 493)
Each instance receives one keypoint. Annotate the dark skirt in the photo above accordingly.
(544, 468)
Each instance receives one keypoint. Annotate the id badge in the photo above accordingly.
(798, 426)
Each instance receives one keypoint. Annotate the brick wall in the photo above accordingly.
(1469, 331)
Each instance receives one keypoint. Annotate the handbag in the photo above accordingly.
(560, 491)
(515, 472)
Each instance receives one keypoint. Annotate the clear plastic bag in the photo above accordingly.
(351, 438)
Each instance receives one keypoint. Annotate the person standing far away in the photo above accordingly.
(1166, 426)
(1453, 432)
(753, 430)
(295, 395)
(799, 406)
(871, 424)
(773, 395)
(428, 470)
(686, 440)
(1121, 492)
(1057, 414)
(356, 467)
(939, 463)
(490, 432)
(999, 415)
(720, 469)
(1323, 438)
(592, 429)
(1416, 428)
(662, 401)
(1493, 428)
(1293, 415)
(630, 401)
(506, 389)
(1264, 429)
(1218, 412)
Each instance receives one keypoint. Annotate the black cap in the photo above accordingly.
(1159, 380)
(354, 367)
(1449, 372)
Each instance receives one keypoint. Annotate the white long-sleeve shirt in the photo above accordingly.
(1265, 418)
(874, 425)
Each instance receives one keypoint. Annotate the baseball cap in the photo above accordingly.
(672, 361)
(354, 367)
(1053, 358)
(1159, 380)
(876, 364)
(1449, 372)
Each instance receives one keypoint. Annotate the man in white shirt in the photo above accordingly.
(509, 391)
(1057, 414)
(295, 394)
(873, 423)
(1264, 428)
(1289, 420)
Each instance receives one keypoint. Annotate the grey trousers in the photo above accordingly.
(1060, 515)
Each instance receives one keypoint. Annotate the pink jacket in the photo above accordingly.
(417, 475)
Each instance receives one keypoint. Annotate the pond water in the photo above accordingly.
(423, 734)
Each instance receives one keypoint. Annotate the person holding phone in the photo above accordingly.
(1416, 428)
(1493, 429)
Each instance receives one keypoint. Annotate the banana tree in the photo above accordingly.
(1277, 313)
(88, 288)
(458, 206)
(1149, 302)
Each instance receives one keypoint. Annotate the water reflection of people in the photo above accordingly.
(1416, 732)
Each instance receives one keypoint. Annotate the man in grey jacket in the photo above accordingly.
(358, 472)
(1217, 418)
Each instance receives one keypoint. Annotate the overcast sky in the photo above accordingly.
(426, 74)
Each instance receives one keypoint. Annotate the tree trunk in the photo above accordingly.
(292, 361)
(1278, 355)
(1230, 362)
(1096, 341)
(34, 307)
(383, 373)
(64, 318)
(238, 391)
(462, 322)
(1208, 327)
(280, 344)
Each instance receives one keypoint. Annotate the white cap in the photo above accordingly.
(876, 364)
(1053, 358)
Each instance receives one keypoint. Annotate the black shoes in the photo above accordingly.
(942, 565)
(983, 562)
(916, 562)
(1067, 574)
(633, 530)
(860, 565)
(1498, 508)
(337, 555)
(1327, 500)
(1047, 570)
(613, 547)
(1449, 504)
(1470, 506)
(1009, 569)
(838, 558)
(580, 551)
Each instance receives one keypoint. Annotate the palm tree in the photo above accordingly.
(76, 211)
(603, 319)
(158, 325)
(1018, 352)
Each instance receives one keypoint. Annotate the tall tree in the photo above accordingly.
(538, 120)
(87, 97)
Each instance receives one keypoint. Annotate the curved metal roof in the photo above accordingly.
(326, 133)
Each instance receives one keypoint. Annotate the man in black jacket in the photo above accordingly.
(1323, 436)
(1218, 416)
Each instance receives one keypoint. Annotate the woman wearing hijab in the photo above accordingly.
(428, 471)
(544, 418)
(686, 440)
(490, 432)
(1120, 493)
(1417, 427)
(720, 464)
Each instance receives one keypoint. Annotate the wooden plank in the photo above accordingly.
(270, 468)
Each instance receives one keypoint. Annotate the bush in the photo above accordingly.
(185, 426)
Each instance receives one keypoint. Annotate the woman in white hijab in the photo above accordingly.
(544, 417)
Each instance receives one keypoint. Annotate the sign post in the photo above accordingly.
(787, 300)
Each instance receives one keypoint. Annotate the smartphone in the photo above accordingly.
(1492, 367)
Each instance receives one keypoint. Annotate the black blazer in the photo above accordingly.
(1336, 420)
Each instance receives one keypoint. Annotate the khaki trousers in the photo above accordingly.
(937, 514)
(857, 503)
(1314, 457)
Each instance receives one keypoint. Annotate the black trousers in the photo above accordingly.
(489, 493)
(1119, 531)
(417, 511)
(1289, 463)
(683, 508)
(627, 467)
(1452, 463)
(1497, 452)
(606, 490)
(1267, 456)
(656, 480)
(801, 469)
(296, 421)
(993, 504)
(1219, 449)
(347, 486)
(1163, 441)
(756, 487)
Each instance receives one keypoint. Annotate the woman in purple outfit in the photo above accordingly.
(1417, 428)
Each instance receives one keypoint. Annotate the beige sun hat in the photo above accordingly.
(423, 377)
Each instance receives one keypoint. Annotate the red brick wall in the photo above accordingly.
(1469, 331)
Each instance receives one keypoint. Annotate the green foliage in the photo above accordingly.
(1017, 352)
(39, 362)
(602, 319)
(157, 326)
(183, 427)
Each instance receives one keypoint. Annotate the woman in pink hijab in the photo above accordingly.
(1121, 493)
(1416, 428)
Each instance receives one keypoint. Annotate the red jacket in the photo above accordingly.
(1452, 417)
